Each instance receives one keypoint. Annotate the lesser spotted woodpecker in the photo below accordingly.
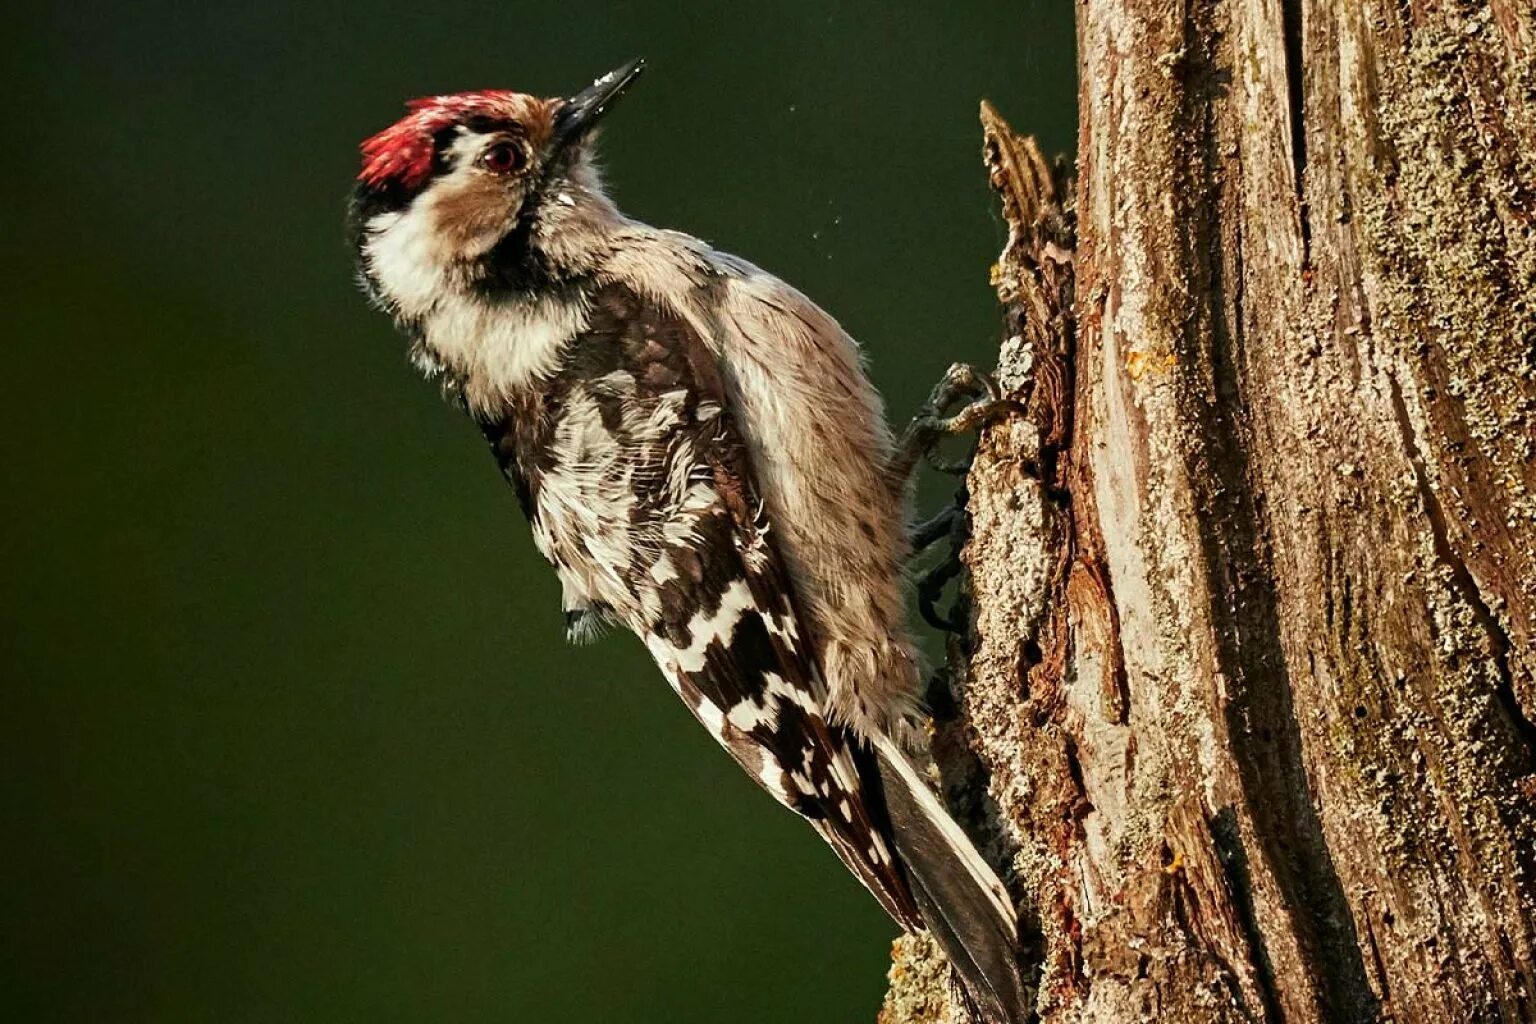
(704, 462)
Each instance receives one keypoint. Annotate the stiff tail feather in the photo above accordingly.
(961, 899)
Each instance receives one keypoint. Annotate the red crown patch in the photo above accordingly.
(402, 153)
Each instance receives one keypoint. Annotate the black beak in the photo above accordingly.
(582, 111)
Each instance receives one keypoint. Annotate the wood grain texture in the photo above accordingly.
(1252, 664)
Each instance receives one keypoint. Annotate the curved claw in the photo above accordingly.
(969, 419)
(931, 424)
(930, 589)
(926, 535)
(949, 467)
(961, 380)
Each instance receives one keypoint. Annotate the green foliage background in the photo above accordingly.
(290, 733)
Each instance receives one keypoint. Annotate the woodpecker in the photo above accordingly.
(704, 462)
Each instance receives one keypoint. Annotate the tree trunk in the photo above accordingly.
(1250, 673)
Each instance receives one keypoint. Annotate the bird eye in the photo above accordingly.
(504, 158)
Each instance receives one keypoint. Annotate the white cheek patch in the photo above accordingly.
(402, 255)
(404, 249)
(465, 148)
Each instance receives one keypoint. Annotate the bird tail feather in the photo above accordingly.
(966, 907)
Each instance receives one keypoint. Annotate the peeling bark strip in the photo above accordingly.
(1252, 663)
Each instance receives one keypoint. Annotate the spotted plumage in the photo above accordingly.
(639, 489)
(702, 459)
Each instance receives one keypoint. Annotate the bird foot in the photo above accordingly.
(951, 525)
(939, 418)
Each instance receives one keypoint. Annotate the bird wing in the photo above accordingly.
(641, 492)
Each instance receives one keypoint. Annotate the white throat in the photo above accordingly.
(490, 347)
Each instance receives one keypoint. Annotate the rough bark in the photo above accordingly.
(1250, 674)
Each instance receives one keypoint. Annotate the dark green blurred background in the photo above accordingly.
(289, 730)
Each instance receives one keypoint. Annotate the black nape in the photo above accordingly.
(367, 202)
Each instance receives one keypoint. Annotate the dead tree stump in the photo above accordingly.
(1250, 671)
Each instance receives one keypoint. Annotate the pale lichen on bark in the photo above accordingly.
(921, 988)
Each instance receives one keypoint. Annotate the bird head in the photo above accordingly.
(481, 187)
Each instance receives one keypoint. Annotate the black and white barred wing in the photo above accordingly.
(739, 668)
(640, 491)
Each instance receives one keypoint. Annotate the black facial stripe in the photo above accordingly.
(482, 124)
(513, 264)
(367, 202)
